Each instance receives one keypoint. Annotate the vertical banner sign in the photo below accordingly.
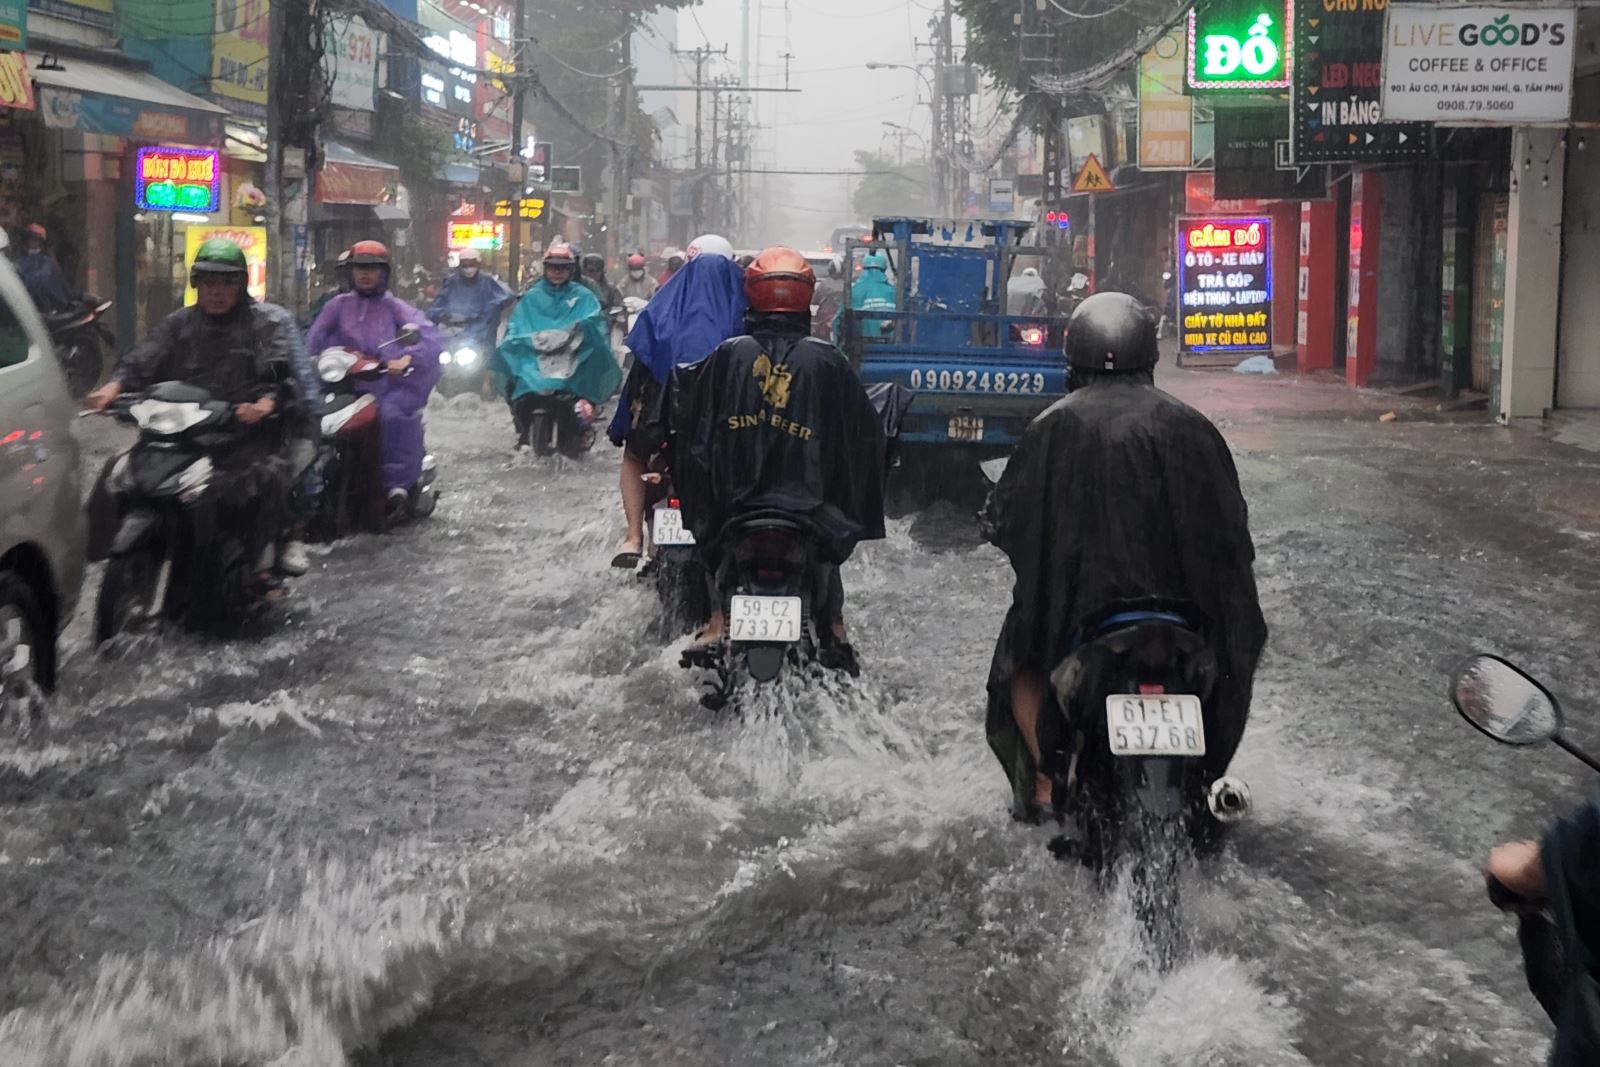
(1225, 285)
(1338, 83)
(1166, 140)
(1479, 65)
(14, 24)
(253, 239)
(351, 59)
(239, 55)
(1241, 46)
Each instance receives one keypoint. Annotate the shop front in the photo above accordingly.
(355, 198)
(125, 164)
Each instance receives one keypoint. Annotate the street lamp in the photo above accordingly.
(936, 149)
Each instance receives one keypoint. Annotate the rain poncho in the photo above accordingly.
(41, 276)
(1121, 492)
(1570, 853)
(363, 323)
(778, 419)
(872, 291)
(479, 300)
(1025, 294)
(516, 365)
(698, 308)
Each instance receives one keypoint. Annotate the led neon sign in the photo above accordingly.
(1244, 46)
(1225, 284)
(483, 235)
(178, 179)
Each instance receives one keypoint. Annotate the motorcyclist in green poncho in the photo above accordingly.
(525, 365)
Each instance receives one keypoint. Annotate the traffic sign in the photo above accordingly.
(1092, 178)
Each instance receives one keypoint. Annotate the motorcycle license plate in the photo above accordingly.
(765, 618)
(966, 428)
(668, 528)
(1156, 725)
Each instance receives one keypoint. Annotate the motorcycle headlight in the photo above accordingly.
(445, 359)
(466, 357)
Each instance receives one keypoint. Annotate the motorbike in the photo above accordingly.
(1503, 702)
(778, 596)
(464, 354)
(674, 565)
(1125, 749)
(558, 421)
(353, 496)
(167, 554)
(81, 341)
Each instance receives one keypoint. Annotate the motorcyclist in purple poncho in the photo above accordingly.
(364, 319)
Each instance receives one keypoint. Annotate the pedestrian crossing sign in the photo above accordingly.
(1092, 178)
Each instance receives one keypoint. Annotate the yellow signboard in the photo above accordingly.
(239, 51)
(253, 239)
(1166, 115)
(532, 208)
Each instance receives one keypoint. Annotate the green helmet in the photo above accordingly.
(220, 256)
(874, 261)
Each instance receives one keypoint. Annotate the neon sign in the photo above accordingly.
(1241, 46)
(1225, 284)
(178, 179)
(483, 235)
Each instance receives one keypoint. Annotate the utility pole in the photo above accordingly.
(947, 136)
(702, 56)
(277, 22)
(519, 164)
(621, 105)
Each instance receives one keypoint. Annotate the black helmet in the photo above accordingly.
(1111, 333)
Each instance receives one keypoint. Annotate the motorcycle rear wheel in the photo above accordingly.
(542, 433)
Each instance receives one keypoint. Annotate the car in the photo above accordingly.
(43, 527)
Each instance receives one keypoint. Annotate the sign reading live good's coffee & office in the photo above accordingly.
(1224, 285)
(1338, 85)
(1486, 65)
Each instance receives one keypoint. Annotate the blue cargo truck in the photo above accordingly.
(979, 375)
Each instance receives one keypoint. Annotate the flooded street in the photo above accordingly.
(463, 807)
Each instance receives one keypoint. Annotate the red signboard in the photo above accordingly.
(350, 183)
(1199, 194)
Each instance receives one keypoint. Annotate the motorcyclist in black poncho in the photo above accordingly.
(1117, 492)
(779, 420)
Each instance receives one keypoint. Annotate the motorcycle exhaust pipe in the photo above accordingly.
(1229, 799)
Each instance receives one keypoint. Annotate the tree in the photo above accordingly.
(888, 189)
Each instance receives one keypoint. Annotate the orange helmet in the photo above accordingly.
(369, 254)
(780, 280)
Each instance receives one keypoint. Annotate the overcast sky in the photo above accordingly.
(843, 105)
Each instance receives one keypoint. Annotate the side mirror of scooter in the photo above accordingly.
(409, 335)
(1510, 705)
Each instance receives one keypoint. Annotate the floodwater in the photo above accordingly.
(463, 807)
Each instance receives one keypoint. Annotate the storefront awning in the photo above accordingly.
(123, 102)
(348, 177)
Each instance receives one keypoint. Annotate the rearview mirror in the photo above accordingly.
(410, 334)
(1504, 702)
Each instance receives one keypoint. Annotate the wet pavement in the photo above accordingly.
(462, 807)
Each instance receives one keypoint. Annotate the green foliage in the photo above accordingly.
(891, 189)
(418, 149)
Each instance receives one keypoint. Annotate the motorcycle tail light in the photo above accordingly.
(674, 502)
(1033, 336)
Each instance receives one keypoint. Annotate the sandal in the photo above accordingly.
(627, 557)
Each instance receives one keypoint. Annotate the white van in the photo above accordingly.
(43, 530)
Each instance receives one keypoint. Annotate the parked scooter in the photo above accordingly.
(352, 499)
(81, 341)
(169, 557)
(1499, 699)
(557, 421)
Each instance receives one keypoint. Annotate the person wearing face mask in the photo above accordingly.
(638, 283)
(474, 300)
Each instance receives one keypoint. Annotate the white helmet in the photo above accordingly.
(709, 244)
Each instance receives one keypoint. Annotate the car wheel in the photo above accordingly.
(27, 650)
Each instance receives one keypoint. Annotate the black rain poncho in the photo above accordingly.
(1120, 492)
(1571, 856)
(777, 419)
